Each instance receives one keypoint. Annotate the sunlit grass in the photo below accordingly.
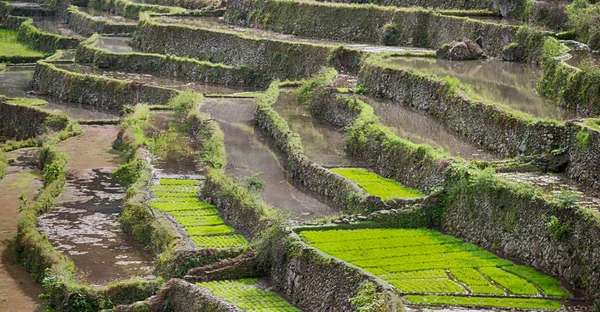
(10, 47)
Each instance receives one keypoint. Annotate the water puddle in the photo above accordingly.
(54, 25)
(175, 157)
(248, 153)
(504, 83)
(322, 143)
(563, 188)
(114, 44)
(219, 23)
(155, 81)
(83, 225)
(100, 15)
(15, 81)
(18, 292)
(419, 128)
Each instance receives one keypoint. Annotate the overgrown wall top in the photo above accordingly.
(87, 25)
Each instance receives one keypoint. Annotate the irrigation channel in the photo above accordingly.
(323, 253)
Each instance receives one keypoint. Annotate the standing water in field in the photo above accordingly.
(18, 292)
(322, 143)
(84, 223)
(420, 128)
(248, 153)
(508, 84)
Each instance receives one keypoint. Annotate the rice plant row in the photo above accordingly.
(377, 185)
(248, 296)
(487, 302)
(422, 261)
(178, 198)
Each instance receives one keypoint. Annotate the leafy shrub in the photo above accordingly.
(584, 19)
(368, 299)
(390, 34)
(560, 231)
(583, 138)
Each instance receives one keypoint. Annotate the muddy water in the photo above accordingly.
(54, 25)
(219, 23)
(103, 15)
(322, 143)
(419, 128)
(155, 81)
(249, 153)
(83, 224)
(178, 157)
(558, 185)
(18, 292)
(114, 44)
(15, 81)
(504, 83)
(78, 111)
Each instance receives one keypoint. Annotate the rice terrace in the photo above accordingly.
(299, 155)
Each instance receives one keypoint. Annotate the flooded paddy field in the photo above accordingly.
(322, 143)
(419, 128)
(54, 25)
(508, 84)
(104, 15)
(114, 44)
(248, 153)
(84, 223)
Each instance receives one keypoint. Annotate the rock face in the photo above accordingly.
(460, 51)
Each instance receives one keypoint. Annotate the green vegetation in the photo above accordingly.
(422, 261)
(12, 51)
(520, 303)
(27, 101)
(368, 299)
(377, 185)
(248, 296)
(583, 138)
(200, 220)
(3, 164)
(583, 19)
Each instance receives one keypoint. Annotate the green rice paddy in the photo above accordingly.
(377, 185)
(248, 296)
(428, 265)
(199, 219)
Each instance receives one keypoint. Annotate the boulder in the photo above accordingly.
(460, 51)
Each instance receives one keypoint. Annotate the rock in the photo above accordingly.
(345, 221)
(513, 53)
(575, 45)
(104, 64)
(362, 218)
(460, 51)
(337, 221)
(384, 212)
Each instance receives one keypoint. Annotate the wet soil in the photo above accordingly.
(104, 15)
(54, 25)
(507, 84)
(18, 292)
(323, 144)
(419, 128)
(114, 44)
(83, 225)
(558, 185)
(219, 23)
(249, 153)
(155, 81)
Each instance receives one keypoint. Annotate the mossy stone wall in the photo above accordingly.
(20, 122)
(87, 25)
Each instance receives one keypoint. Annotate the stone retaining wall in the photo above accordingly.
(20, 122)
(169, 66)
(369, 23)
(274, 59)
(96, 91)
(88, 25)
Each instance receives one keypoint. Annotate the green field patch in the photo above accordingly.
(248, 296)
(11, 48)
(27, 101)
(486, 302)
(423, 261)
(200, 220)
(549, 285)
(220, 241)
(377, 185)
(179, 182)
